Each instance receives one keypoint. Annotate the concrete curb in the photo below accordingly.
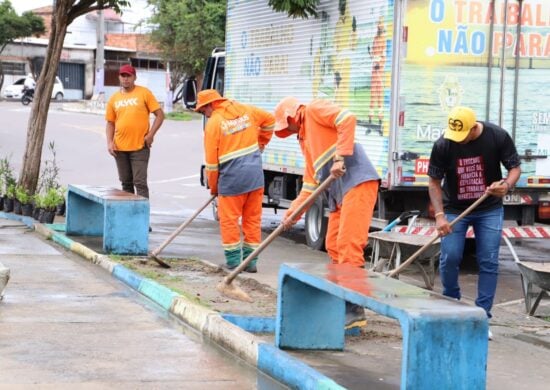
(265, 357)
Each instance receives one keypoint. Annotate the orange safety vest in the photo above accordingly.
(234, 137)
(327, 130)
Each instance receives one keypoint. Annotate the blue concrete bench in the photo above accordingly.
(120, 217)
(444, 341)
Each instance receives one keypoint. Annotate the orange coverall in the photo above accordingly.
(235, 135)
(327, 130)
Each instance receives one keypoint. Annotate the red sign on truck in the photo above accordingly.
(421, 166)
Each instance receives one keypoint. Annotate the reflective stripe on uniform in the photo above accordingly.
(325, 157)
(211, 167)
(238, 153)
(232, 246)
(342, 116)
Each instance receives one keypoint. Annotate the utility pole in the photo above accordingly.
(99, 90)
(169, 96)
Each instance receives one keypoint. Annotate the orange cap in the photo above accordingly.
(287, 107)
(206, 97)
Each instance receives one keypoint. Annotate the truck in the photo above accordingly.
(400, 66)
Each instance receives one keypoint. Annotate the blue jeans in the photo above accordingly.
(487, 227)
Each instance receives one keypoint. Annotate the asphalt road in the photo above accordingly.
(81, 154)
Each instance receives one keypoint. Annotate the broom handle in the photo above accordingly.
(181, 227)
(426, 246)
(322, 187)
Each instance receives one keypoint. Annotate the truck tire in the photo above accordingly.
(316, 225)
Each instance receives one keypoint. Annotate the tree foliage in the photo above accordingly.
(296, 8)
(187, 31)
(64, 13)
(13, 26)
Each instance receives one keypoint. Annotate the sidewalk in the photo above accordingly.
(517, 357)
(67, 324)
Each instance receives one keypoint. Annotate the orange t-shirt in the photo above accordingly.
(130, 114)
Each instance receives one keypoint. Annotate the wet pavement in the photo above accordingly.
(373, 361)
(521, 342)
(65, 323)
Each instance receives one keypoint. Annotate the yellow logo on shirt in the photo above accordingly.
(232, 126)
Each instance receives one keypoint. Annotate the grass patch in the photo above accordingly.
(120, 258)
(169, 281)
(181, 116)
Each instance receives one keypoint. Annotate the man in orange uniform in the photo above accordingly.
(327, 138)
(129, 136)
(234, 138)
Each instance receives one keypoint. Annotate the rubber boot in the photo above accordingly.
(251, 268)
(355, 316)
(232, 258)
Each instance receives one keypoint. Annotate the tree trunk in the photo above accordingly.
(1, 75)
(36, 128)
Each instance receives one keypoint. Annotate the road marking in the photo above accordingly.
(174, 179)
(94, 129)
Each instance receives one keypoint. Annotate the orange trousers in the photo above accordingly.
(248, 208)
(348, 225)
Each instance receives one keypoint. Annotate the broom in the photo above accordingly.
(235, 292)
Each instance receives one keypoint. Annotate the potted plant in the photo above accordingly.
(49, 175)
(24, 199)
(6, 178)
(61, 206)
(38, 201)
(10, 197)
(51, 199)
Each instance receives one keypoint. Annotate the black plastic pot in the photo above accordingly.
(47, 216)
(16, 207)
(36, 213)
(60, 210)
(8, 205)
(27, 209)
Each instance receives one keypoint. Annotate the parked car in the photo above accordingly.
(15, 91)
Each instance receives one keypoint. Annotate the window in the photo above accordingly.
(14, 68)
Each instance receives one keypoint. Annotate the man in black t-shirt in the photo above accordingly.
(467, 160)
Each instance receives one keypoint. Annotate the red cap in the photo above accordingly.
(127, 69)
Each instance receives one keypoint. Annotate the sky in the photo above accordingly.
(133, 15)
(25, 5)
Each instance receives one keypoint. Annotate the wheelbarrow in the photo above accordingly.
(533, 275)
(389, 247)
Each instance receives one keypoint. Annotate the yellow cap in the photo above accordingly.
(461, 120)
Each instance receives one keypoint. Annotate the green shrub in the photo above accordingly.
(52, 198)
(38, 200)
(22, 195)
(10, 192)
(7, 176)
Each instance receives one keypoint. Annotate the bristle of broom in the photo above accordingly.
(159, 261)
(233, 291)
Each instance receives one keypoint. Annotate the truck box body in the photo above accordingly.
(400, 66)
